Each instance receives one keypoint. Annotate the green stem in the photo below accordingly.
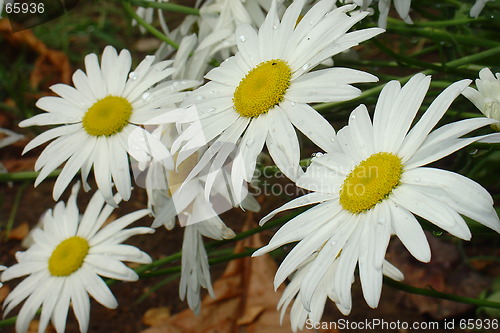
(212, 262)
(442, 35)
(440, 295)
(155, 32)
(25, 175)
(171, 7)
(15, 207)
(375, 90)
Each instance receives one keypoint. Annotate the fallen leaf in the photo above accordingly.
(4, 291)
(156, 316)
(19, 232)
(51, 66)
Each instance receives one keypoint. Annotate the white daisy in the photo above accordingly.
(487, 96)
(478, 7)
(299, 315)
(373, 182)
(101, 121)
(65, 262)
(262, 92)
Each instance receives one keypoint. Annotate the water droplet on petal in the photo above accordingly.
(249, 142)
(243, 38)
(200, 98)
(132, 76)
(418, 180)
(146, 96)
(332, 139)
(353, 116)
(437, 233)
(305, 67)
(211, 111)
(473, 152)
(275, 27)
(211, 92)
(292, 103)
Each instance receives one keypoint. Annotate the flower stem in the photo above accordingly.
(437, 294)
(155, 32)
(171, 7)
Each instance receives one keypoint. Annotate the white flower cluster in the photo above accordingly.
(192, 136)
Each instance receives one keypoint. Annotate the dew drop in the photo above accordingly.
(211, 92)
(332, 139)
(353, 117)
(243, 38)
(318, 154)
(292, 103)
(132, 76)
(437, 233)
(305, 67)
(249, 142)
(146, 96)
(311, 22)
(275, 27)
(473, 152)
(418, 180)
(211, 111)
(200, 98)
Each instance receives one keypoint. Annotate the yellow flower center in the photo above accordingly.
(262, 88)
(68, 256)
(370, 182)
(107, 116)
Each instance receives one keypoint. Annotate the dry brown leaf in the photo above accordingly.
(156, 316)
(4, 291)
(246, 300)
(19, 232)
(51, 66)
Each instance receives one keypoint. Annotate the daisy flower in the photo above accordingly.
(299, 315)
(101, 121)
(487, 96)
(67, 258)
(262, 93)
(170, 196)
(373, 182)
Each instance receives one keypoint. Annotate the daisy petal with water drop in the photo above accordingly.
(262, 94)
(70, 254)
(373, 183)
(100, 121)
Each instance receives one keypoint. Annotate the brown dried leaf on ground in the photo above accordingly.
(445, 273)
(51, 66)
(19, 232)
(246, 300)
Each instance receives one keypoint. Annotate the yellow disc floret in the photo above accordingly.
(262, 88)
(370, 182)
(107, 116)
(68, 256)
